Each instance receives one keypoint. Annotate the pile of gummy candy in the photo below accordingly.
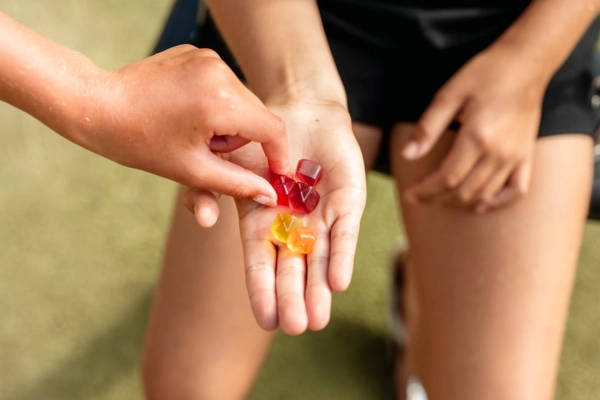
(301, 196)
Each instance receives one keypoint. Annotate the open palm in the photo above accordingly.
(291, 290)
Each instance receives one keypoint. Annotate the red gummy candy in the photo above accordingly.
(308, 172)
(282, 185)
(303, 198)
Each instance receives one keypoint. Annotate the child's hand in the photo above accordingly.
(169, 113)
(497, 101)
(290, 290)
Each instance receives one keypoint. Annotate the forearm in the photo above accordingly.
(281, 47)
(548, 30)
(43, 78)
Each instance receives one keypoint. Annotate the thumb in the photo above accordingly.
(203, 204)
(225, 177)
(255, 123)
(433, 123)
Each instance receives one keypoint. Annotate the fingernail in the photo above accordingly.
(264, 200)
(411, 150)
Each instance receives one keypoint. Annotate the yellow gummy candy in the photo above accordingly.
(283, 225)
(301, 240)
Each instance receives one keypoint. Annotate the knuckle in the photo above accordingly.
(278, 126)
(217, 67)
(444, 96)
(344, 255)
(184, 48)
(291, 271)
(483, 139)
(287, 300)
(214, 71)
(207, 53)
(320, 260)
(486, 197)
(216, 105)
(239, 191)
(344, 236)
(464, 196)
(223, 96)
(258, 268)
(450, 180)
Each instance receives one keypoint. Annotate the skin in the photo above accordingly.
(201, 344)
(490, 163)
(492, 328)
(486, 310)
(204, 111)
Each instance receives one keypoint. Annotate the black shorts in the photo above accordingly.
(393, 57)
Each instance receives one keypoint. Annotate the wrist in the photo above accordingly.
(313, 90)
(522, 64)
(291, 78)
(63, 96)
(87, 98)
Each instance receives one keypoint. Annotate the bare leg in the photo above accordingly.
(202, 340)
(488, 295)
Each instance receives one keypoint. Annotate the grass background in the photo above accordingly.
(81, 238)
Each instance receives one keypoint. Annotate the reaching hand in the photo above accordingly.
(294, 290)
(170, 113)
(497, 102)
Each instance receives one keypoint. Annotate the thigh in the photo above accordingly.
(202, 341)
(369, 139)
(491, 293)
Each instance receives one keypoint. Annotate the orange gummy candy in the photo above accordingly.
(301, 240)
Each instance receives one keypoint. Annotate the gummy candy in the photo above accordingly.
(282, 185)
(283, 225)
(303, 198)
(308, 172)
(301, 240)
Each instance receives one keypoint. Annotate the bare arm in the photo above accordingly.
(281, 47)
(283, 51)
(43, 78)
(548, 30)
(497, 97)
(159, 115)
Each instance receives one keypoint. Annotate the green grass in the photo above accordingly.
(81, 238)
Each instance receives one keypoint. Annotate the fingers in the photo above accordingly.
(433, 123)
(227, 178)
(203, 204)
(259, 260)
(226, 144)
(457, 165)
(344, 237)
(290, 281)
(518, 186)
(256, 123)
(466, 193)
(318, 291)
(491, 190)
